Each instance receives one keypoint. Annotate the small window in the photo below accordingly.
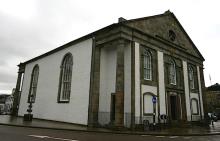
(191, 78)
(172, 35)
(33, 85)
(172, 73)
(147, 65)
(195, 106)
(65, 78)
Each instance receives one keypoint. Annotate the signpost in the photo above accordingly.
(154, 101)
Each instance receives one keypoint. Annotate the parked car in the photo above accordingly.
(213, 116)
(6, 102)
(217, 113)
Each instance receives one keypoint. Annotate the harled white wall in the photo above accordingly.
(108, 60)
(46, 106)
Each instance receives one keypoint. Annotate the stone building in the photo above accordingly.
(120, 75)
(212, 99)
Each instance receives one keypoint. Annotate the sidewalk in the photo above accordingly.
(37, 123)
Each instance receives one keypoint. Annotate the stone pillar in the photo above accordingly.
(201, 88)
(16, 95)
(162, 94)
(119, 97)
(132, 85)
(187, 92)
(94, 87)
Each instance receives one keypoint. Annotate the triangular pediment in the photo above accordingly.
(166, 27)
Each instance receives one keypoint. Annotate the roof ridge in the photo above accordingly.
(147, 17)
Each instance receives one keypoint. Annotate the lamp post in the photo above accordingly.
(29, 116)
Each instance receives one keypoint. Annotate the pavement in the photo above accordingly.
(193, 130)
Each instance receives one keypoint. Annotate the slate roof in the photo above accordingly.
(215, 87)
(122, 22)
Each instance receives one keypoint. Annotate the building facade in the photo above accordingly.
(121, 75)
(212, 99)
(6, 102)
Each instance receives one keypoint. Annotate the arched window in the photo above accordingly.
(147, 72)
(65, 78)
(191, 78)
(33, 85)
(172, 72)
(194, 106)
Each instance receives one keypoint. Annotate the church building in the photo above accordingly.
(121, 75)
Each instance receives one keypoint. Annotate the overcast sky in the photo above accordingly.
(29, 28)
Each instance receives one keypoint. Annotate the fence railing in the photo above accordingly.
(107, 119)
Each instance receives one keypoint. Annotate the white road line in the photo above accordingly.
(42, 137)
(160, 136)
(145, 135)
(187, 138)
(173, 137)
(38, 136)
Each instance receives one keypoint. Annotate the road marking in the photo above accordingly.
(173, 137)
(160, 136)
(187, 138)
(145, 135)
(42, 137)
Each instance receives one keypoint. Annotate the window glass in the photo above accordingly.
(65, 78)
(147, 72)
(33, 85)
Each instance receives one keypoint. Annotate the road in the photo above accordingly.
(9, 133)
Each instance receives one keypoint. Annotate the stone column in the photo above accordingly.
(132, 85)
(187, 92)
(161, 84)
(94, 87)
(201, 88)
(17, 90)
(119, 97)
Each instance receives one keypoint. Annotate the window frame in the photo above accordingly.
(147, 65)
(64, 90)
(172, 72)
(191, 78)
(33, 84)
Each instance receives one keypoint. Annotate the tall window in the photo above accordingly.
(33, 85)
(191, 78)
(65, 78)
(147, 65)
(172, 72)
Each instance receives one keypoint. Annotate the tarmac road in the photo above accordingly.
(10, 133)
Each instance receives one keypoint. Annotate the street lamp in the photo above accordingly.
(29, 116)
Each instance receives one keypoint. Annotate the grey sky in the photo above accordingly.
(31, 27)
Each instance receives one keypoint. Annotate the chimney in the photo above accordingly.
(121, 19)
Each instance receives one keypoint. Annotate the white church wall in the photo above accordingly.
(108, 60)
(46, 106)
(147, 104)
(195, 107)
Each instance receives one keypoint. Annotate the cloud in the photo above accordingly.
(32, 27)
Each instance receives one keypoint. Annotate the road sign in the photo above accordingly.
(154, 99)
